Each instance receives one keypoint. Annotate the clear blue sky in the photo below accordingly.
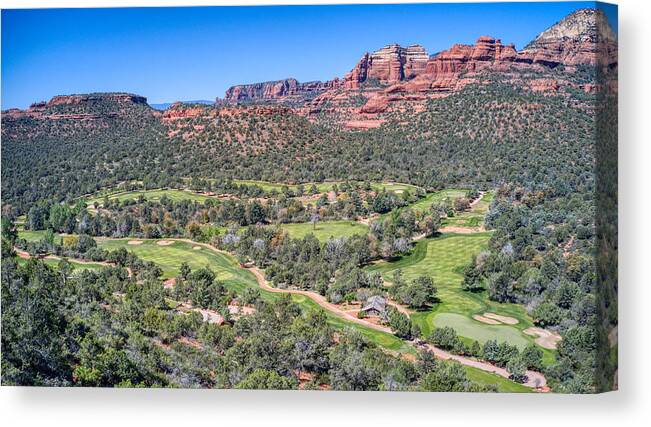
(190, 53)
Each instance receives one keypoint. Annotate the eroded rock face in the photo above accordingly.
(395, 75)
(278, 90)
(85, 98)
(391, 64)
(486, 52)
(393, 78)
(583, 37)
(78, 106)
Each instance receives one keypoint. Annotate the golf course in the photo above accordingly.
(169, 254)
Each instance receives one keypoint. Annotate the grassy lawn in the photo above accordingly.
(324, 187)
(470, 328)
(474, 217)
(326, 229)
(237, 279)
(173, 194)
(443, 258)
(438, 196)
(76, 266)
(503, 385)
(169, 258)
(33, 235)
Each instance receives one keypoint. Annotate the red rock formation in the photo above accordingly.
(280, 90)
(487, 52)
(179, 111)
(55, 108)
(391, 64)
(80, 99)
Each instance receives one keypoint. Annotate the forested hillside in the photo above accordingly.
(493, 147)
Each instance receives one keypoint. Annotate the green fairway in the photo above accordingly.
(326, 229)
(474, 217)
(169, 258)
(393, 186)
(324, 187)
(155, 195)
(33, 235)
(444, 258)
(503, 385)
(436, 197)
(76, 266)
(237, 279)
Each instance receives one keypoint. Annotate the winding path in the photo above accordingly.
(535, 380)
(25, 255)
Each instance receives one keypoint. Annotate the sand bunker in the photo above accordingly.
(494, 319)
(169, 283)
(461, 230)
(196, 248)
(480, 318)
(546, 339)
(164, 242)
(503, 319)
(134, 242)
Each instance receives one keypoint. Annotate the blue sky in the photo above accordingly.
(190, 53)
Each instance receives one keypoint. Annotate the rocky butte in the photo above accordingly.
(394, 76)
(79, 106)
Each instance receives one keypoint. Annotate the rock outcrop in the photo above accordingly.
(279, 90)
(395, 75)
(393, 78)
(583, 37)
(79, 106)
(126, 98)
(391, 64)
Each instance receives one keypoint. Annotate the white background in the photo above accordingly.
(628, 406)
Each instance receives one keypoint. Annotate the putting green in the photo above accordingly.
(443, 258)
(325, 230)
(481, 332)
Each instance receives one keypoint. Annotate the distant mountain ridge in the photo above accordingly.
(165, 105)
(397, 75)
(395, 79)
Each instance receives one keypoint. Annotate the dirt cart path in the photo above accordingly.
(25, 255)
(535, 380)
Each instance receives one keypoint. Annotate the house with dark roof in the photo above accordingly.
(375, 305)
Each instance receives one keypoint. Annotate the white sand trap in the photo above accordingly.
(169, 283)
(482, 319)
(504, 319)
(164, 242)
(134, 242)
(196, 248)
(399, 191)
(546, 339)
